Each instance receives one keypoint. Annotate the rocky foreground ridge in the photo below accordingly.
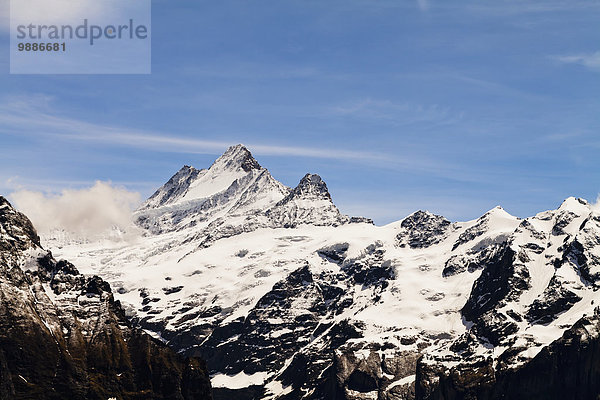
(287, 298)
(63, 336)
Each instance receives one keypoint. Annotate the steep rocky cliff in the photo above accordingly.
(63, 336)
(568, 368)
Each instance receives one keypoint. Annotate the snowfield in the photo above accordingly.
(227, 262)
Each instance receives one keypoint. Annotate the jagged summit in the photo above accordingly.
(421, 218)
(191, 184)
(236, 157)
(236, 194)
(311, 186)
(308, 203)
(422, 229)
(16, 231)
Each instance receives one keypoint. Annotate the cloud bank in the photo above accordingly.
(89, 212)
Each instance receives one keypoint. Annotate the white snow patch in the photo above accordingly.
(402, 381)
(238, 381)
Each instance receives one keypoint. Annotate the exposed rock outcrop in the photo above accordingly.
(63, 336)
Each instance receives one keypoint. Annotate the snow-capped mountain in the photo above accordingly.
(63, 336)
(286, 298)
(234, 195)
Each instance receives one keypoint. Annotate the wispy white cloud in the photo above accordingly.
(399, 114)
(34, 116)
(87, 212)
(156, 141)
(33, 113)
(589, 60)
(493, 87)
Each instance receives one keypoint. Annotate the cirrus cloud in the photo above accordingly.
(589, 60)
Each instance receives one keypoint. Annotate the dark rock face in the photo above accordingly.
(556, 299)
(423, 229)
(239, 156)
(566, 369)
(473, 232)
(472, 260)
(335, 253)
(63, 336)
(361, 381)
(585, 258)
(372, 376)
(312, 186)
(361, 220)
(275, 331)
(176, 187)
(294, 334)
(370, 269)
(502, 280)
(492, 286)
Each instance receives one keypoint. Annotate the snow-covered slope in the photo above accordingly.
(233, 196)
(286, 298)
(542, 280)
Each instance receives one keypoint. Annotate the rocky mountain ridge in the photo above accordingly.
(286, 299)
(62, 334)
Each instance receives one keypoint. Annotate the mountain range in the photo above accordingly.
(284, 297)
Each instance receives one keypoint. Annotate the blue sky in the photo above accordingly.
(454, 107)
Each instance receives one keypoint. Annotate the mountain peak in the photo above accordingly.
(236, 157)
(16, 231)
(3, 202)
(497, 212)
(421, 218)
(190, 183)
(311, 185)
(573, 203)
(576, 206)
(308, 203)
